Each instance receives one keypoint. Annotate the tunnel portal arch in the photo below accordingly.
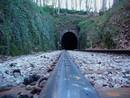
(69, 41)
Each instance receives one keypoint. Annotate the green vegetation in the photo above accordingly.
(66, 22)
(53, 11)
(108, 30)
(24, 28)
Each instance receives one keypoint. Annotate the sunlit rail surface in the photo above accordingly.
(66, 81)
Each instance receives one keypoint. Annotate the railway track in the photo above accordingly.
(114, 51)
(66, 81)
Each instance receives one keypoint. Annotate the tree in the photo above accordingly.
(72, 4)
(80, 4)
(44, 2)
(87, 5)
(40, 2)
(53, 3)
(115, 1)
(37, 1)
(66, 4)
(95, 5)
(59, 5)
(76, 4)
(104, 3)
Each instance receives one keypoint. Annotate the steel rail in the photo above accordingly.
(114, 51)
(66, 81)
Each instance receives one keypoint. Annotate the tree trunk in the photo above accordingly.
(109, 4)
(95, 5)
(40, 2)
(86, 5)
(66, 4)
(58, 11)
(44, 2)
(104, 3)
(37, 1)
(115, 1)
(80, 4)
(72, 4)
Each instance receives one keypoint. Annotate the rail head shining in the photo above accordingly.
(66, 81)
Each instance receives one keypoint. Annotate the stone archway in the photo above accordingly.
(69, 41)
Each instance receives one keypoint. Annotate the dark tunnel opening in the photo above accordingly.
(69, 41)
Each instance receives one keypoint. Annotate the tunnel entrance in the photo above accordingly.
(69, 41)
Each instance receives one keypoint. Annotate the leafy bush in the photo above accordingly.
(24, 28)
(105, 30)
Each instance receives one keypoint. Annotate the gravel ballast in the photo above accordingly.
(14, 71)
(104, 70)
